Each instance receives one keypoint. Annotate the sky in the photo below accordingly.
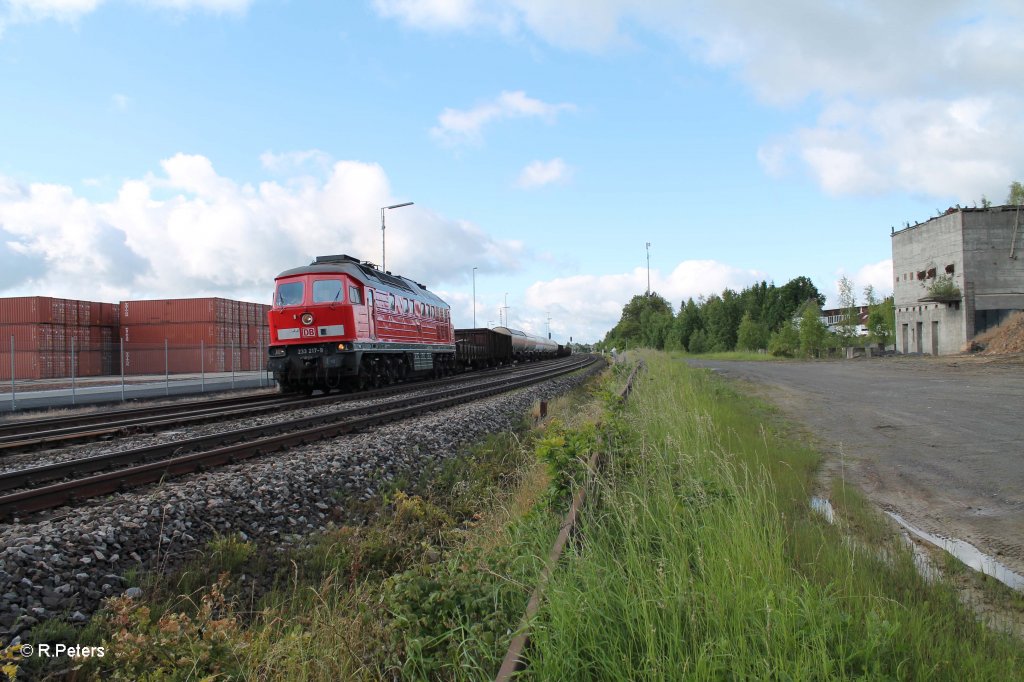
(174, 148)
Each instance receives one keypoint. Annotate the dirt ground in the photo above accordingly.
(940, 441)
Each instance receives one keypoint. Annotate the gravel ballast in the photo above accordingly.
(65, 564)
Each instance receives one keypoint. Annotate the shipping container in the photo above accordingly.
(139, 360)
(176, 310)
(27, 365)
(27, 337)
(31, 310)
(110, 314)
(186, 333)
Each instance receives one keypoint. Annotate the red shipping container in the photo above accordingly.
(139, 360)
(177, 310)
(31, 310)
(70, 312)
(27, 337)
(191, 334)
(110, 314)
(27, 365)
(84, 313)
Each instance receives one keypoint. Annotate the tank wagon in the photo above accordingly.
(341, 322)
(502, 346)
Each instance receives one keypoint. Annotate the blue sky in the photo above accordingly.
(164, 148)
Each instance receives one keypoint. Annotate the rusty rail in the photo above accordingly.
(514, 661)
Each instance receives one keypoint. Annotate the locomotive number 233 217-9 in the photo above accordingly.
(311, 350)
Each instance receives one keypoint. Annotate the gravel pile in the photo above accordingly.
(66, 564)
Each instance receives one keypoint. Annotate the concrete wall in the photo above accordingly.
(997, 279)
(975, 245)
(918, 251)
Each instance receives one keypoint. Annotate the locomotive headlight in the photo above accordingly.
(277, 351)
(341, 346)
(307, 318)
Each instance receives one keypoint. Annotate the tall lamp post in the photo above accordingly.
(474, 298)
(383, 259)
(648, 268)
(506, 308)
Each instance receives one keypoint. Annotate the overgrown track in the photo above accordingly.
(59, 431)
(196, 454)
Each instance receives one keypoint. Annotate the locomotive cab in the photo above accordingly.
(341, 322)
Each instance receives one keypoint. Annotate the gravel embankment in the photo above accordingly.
(69, 562)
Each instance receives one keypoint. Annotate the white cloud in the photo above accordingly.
(25, 11)
(587, 306)
(922, 90)
(120, 101)
(540, 173)
(878, 275)
(189, 231)
(459, 126)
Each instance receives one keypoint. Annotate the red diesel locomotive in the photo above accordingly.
(340, 322)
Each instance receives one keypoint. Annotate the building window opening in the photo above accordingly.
(949, 269)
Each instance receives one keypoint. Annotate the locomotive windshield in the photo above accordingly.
(289, 293)
(327, 291)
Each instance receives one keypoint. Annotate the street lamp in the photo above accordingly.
(506, 308)
(383, 264)
(648, 268)
(474, 298)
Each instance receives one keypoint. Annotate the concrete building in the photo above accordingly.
(955, 276)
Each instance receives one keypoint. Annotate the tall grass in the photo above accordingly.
(703, 561)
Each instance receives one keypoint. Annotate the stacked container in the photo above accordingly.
(55, 336)
(192, 335)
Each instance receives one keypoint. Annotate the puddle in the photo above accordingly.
(823, 507)
(967, 553)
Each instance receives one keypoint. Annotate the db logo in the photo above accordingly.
(309, 331)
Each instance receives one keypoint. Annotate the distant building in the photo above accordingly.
(955, 276)
(833, 319)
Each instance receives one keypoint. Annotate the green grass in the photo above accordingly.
(703, 561)
(431, 587)
(732, 355)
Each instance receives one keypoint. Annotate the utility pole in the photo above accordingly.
(506, 308)
(648, 268)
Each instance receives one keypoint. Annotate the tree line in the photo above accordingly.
(785, 321)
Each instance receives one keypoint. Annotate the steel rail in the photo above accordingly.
(14, 480)
(10, 429)
(514, 661)
(98, 426)
(38, 499)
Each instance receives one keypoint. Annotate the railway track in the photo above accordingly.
(145, 465)
(37, 434)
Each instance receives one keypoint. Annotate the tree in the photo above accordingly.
(881, 317)
(786, 341)
(698, 342)
(813, 333)
(1016, 195)
(688, 321)
(645, 322)
(850, 319)
(752, 335)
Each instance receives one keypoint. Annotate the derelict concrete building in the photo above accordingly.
(956, 276)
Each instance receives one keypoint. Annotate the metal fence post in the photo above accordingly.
(122, 368)
(167, 371)
(232, 365)
(259, 352)
(202, 365)
(72, 370)
(14, 404)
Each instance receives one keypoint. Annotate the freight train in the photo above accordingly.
(343, 323)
